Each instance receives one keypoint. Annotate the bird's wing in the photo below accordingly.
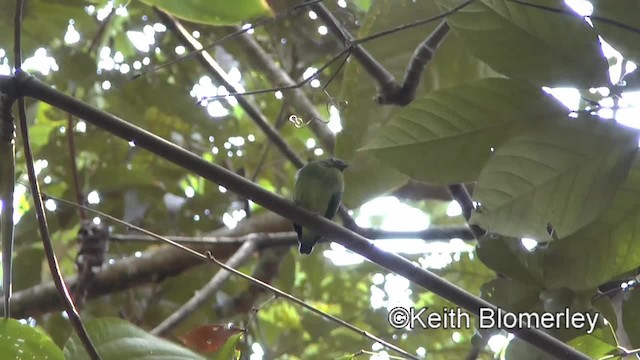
(334, 203)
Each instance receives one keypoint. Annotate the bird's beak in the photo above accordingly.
(342, 165)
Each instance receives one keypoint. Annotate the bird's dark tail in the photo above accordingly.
(306, 248)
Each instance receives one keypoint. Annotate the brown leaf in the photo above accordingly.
(209, 338)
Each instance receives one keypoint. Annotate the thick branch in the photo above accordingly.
(239, 185)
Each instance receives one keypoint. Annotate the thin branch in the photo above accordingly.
(219, 75)
(289, 238)
(460, 194)
(97, 38)
(206, 292)
(63, 292)
(297, 98)
(30, 86)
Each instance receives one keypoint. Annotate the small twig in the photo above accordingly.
(206, 292)
(280, 120)
(97, 38)
(63, 291)
(460, 194)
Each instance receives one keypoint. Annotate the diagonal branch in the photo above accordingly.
(30, 86)
(207, 291)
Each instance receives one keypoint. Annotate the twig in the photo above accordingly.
(297, 98)
(206, 292)
(218, 73)
(100, 33)
(460, 194)
(279, 122)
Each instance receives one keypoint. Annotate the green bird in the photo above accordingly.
(319, 187)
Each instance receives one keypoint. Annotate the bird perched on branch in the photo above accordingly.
(319, 187)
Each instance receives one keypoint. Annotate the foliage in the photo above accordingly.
(564, 176)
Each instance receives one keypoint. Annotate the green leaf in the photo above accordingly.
(602, 250)
(117, 339)
(511, 295)
(507, 256)
(538, 177)
(595, 345)
(213, 12)
(631, 317)
(362, 119)
(228, 350)
(452, 130)
(542, 46)
(622, 11)
(20, 341)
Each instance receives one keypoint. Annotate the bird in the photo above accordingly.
(318, 188)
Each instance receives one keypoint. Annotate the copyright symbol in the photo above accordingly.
(399, 317)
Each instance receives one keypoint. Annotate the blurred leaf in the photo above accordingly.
(287, 272)
(210, 338)
(117, 339)
(21, 341)
(539, 45)
(213, 12)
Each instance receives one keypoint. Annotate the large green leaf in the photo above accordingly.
(452, 131)
(21, 341)
(622, 11)
(362, 119)
(213, 12)
(543, 46)
(604, 249)
(538, 177)
(117, 339)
